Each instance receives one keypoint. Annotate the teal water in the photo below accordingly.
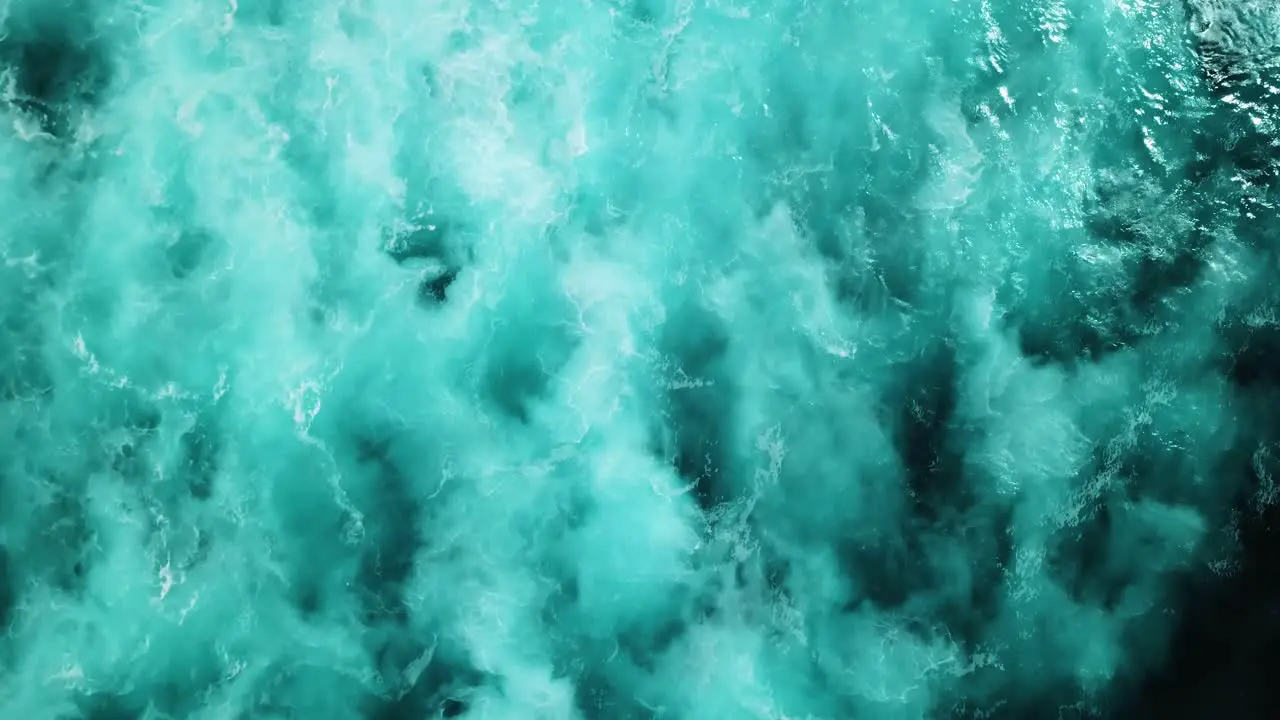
(602, 359)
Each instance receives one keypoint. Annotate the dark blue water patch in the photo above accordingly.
(889, 226)
(516, 382)
(53, 68)
(527, 350)
(972, 593)
(67, 541)
(886, 572)
(927, 436)
(393, 515)
(187, 252)
(267, 13)
(434, 289)
(165, 697)
(700, 405)
(945, 507)
(1225, 639)
(60, 63)
(201, 450)
(108, 706)
(1068, 335)
(430, 242)
(451, 706)
(1250, 355)
(443, 688)
(1239, 131)
(24, 374)
(8, 586)
(605, 671)
(1080, 560)
(423, 239)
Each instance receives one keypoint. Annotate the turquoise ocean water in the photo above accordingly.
(596, 359)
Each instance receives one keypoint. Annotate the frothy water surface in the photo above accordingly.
(607, 359)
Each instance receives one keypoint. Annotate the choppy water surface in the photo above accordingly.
(638, 359)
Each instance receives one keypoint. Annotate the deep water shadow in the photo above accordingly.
(8, 591)
(111, 706)
(887, 572)
(930, 451)
(200, 450)
(421, 240)
(67, 540)
(604, 672)
(1252, 358)
(599, 699)
(434, 289)
(962, 589)
(187, 251)
(392, 518)
(269, 13)
(1079, 560)
(426, 243)
(1226, 641)
(59, 64)
(444, 689)
(1240, 78)
(1053, 341)
(701, 398)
